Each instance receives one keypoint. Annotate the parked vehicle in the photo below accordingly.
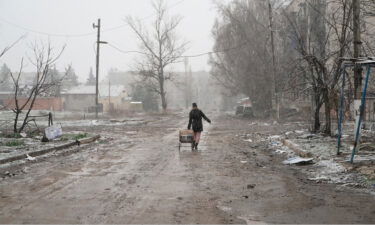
(239, 109)
(244, 108)
(248, 111)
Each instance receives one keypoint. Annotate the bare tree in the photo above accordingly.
(321, 47)
(7, 48)
(2, 53)
(242, 61)
(43, 61)
(160, 47)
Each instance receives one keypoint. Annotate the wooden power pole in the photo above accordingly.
(98, 42)
(275, 88)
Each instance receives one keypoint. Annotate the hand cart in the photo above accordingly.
(185, 137)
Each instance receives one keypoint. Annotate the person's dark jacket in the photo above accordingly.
(195, 119)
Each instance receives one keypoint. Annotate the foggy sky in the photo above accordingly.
(65, 20)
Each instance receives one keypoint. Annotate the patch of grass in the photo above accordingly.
(34, 133)
(371, 181)
(67, 137)
(13, 135)
(64, 138)
(15, 143)
(80, 136)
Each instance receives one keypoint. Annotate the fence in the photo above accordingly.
(7, 123)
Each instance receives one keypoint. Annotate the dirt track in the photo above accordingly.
(139, 176)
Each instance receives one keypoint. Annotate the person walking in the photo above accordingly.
(195, 122)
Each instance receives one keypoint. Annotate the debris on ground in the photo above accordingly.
(367, 147)
(251, 186)
(53, 132)
(298, 160)
(12, 149)
(369, 171)
(30, 158)
(320, 151)
(279, 151)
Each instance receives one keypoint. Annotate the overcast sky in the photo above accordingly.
(67, 20)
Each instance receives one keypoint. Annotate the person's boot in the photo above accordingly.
(192, 145)
(196, 146)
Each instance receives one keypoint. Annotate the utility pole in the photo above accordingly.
(275, 88)
(98, 42)
(109, 93)
(357, 52)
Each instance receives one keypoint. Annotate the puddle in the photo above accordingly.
(224, 208)
(251, 219)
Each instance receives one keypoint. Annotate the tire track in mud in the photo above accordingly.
(137, 178)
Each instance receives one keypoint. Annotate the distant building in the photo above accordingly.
(116, 99)
(41, 103)
(184, 88)
(113, 98)
(79, 98)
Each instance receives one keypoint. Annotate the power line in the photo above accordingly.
(125, 52)
(60, 35)
(45, 33)
(183, 56)
(217, 51)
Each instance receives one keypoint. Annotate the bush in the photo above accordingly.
(14, 143)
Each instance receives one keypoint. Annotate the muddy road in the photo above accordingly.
(136, 174)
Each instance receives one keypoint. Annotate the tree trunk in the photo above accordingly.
(316, 119)
(318, 105)
(163, 95)
(16, 122)
(327, 109)
(163, 101)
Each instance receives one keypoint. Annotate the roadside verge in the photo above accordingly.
(45, 151)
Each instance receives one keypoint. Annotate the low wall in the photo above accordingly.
(51, 104)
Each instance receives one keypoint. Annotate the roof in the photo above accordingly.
(80, 90)
(115, 90)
